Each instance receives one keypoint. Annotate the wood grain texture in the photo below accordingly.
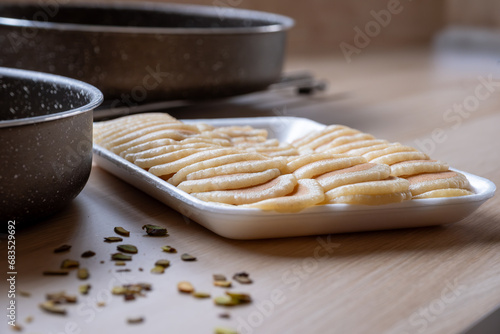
(427, 280)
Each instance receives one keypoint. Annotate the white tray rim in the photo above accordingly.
(483, 188)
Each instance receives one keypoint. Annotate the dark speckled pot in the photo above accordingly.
(139, 52)
(46, 142)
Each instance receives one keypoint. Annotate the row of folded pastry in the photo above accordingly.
(240, 165)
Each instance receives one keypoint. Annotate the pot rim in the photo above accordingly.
(95, 94)
(278, 22)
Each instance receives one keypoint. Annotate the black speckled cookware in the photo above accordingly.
(140, 52)
(45, 142)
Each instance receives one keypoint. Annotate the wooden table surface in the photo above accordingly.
(425, 280)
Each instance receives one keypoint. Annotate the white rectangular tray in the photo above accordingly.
(242, 223)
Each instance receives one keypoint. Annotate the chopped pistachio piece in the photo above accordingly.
(62, 248)
(135, 320)
(51, 307)
(162, 263)
(242, 278)
(113, 239)
(131, 249)
(17, 328)
(239, 296)
(225, 301)
(101, 304)
(120, 263)
(187, 257)
(169, 249)
(24, 293)
(200, 294)
(158, 270)
(82, 273)
(224, 315)
(61, 297)
(55, 272)
(224, 330)
(133, 288)
(120, 257)
(130, 291)
(71, 299)
(219, 277)
(126, 270)
(56, 297)
(129, 296)
(223, 284)
(70, 264)
(185, 287)
(155, 230)
(121, 231)
(232, 298)
(84, 289)
(88, 253)
(119, 290)
(29, 319)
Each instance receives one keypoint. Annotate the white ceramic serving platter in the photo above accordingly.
(243, 223)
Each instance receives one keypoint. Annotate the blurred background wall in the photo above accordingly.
(321, 25)
(477, 13)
